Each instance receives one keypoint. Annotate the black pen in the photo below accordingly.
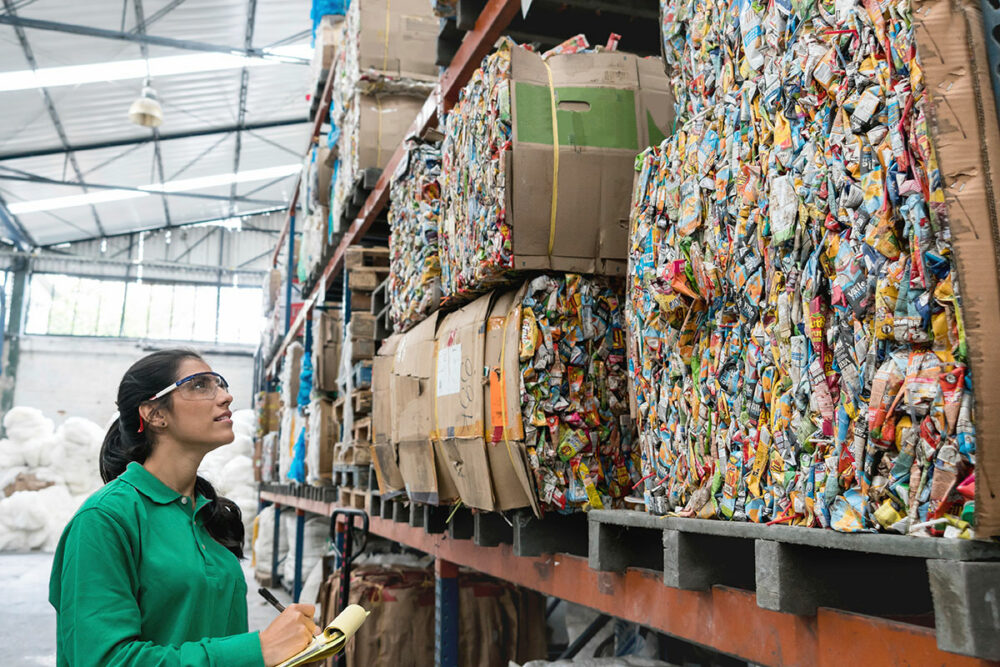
(267, 595)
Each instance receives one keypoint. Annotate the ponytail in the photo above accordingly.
(125, 443)
(223, 518)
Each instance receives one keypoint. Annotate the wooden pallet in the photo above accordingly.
(362, 399)
(358, 257)
(363, 430)
(352, 476)
(353, 498)
(380, 309)
(366, 278)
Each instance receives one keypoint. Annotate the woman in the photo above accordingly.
(147, 571)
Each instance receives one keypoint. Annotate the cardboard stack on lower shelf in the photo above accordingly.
(364, 270)
(499, 622)
(517, 400)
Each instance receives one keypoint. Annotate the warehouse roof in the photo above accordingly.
(232, 77)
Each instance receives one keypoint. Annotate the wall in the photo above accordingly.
(67, 376)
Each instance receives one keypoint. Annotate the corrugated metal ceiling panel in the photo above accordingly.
(96, 113)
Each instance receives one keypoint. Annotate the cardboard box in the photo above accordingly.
(963, 116)
(328, 328)
(478, 419)
(270, 457)
(328, 333)
(398, 38)
(329, 37)
(267, 405)
(421, 464)
(291, 370)
(569, 215)
(610, 106)
(324, 176)
(383, 450)
(272, 289)
(382, 123)
(361, 325)
(322, 437)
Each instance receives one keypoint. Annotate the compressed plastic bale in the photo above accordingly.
(36, 519)
(312, 583)
(236, 475)
(80, 431)
(314, 538)
(414, 217)
(574, 392)
(796, 332)
(245, 423)
(75, 454)
(248, 507)
(242, 445)
(263, 545)
(23, 424)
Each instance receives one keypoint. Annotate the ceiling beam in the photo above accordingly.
(242, 101)
(142, 140)
(156, 228)
(185, 44)
(50, 106)
(141, 26)
(31, 178)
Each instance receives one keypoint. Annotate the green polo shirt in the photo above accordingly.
(137, 580)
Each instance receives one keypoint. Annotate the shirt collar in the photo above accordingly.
(150, 486)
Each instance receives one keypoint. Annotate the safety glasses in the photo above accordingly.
(198, 387)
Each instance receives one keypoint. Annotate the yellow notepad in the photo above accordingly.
(333, 639)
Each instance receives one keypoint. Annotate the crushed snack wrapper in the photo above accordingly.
(796, 347)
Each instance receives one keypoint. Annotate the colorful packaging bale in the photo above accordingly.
(798, 346)
(574, 392)
(414, 211)
(549, 424)
(531, 159)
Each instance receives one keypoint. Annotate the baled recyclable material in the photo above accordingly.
(532, 164)
(531, 399)
(388, 45)
(798, 348)
(414, 214)
(372, 126)
(383, 449)
(321, 437)
(422, 465)
(574, 392)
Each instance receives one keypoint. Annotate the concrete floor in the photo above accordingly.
(28, 621)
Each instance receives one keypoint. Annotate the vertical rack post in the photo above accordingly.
(445, 613)
(291, 272)
(300, 529)
(274, 544)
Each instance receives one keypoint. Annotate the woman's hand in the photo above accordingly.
(288, 634)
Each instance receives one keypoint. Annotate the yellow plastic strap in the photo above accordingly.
(555, 160)
(385, 49)
(378, 135)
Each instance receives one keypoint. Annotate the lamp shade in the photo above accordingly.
(146, 110)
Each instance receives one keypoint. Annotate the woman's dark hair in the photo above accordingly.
(124, 443)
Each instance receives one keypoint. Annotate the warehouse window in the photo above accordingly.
(73, 306)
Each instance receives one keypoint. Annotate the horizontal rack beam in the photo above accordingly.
(724, 619)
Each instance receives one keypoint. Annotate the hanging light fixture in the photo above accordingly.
(146, 110)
